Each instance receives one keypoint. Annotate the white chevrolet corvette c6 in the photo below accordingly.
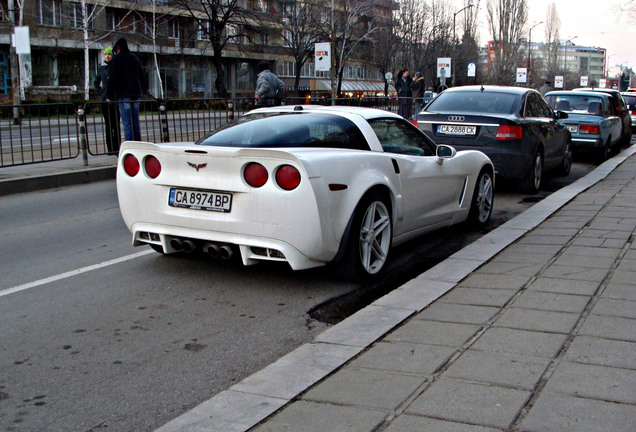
(307, 185)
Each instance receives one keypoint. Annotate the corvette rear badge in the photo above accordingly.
(197, 166)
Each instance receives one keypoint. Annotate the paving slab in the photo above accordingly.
(491, 281)
(433, 333)
(609, 327)
(551, 301)
(410, 423)
(508, 370)
(564, 286)
(458, 313)
(469, 402)
(479, 296)
(522, 342)
(410, 358)
(603, 352)
(594, 382)
(537, 320)
(305, 416)
(576, 273)
(616, 307)
(365, 388)
(620, 291)
(559, 413)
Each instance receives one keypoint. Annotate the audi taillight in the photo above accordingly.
(509, 132)
(131, 165)
(287, 177)
(255, 175)
(588, 129)
(152, 166)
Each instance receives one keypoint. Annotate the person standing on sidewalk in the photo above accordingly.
(269, 88)
(127, 84)
(109, 110)
(404, 93)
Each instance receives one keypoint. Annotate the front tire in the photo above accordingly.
(483, 198)
(370, 237)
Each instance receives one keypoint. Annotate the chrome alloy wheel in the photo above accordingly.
(484, 198)
(375, 237)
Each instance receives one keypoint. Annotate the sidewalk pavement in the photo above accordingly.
(530, 328)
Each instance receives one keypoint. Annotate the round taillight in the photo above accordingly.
(255, 175)
(287, 177)
(153, 167)
(131, 165)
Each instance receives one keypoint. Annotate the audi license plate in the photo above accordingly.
(573, 129)
(456, 130)
(200, 200)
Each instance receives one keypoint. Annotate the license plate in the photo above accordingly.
(456, 130)
(573, 129)
(200, 200)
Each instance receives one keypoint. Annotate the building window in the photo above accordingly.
(114, 18)
(50, 12)
(76, 18)
(203, 31)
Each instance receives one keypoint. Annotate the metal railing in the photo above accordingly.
(50, 132)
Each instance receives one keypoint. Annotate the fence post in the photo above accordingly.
(163, 114)
(83, 137)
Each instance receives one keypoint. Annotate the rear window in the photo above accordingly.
(577, 104)
(476, 101)
(271, 130)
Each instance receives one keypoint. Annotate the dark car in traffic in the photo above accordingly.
(592, 121)
(514, 126)
(630, 101)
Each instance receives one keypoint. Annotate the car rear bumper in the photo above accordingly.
(579, 144)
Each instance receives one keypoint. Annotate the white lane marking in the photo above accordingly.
(71, 273)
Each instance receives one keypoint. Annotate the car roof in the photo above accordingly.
(490, 88)
(366, 113)
(597, 89)
(578, 93)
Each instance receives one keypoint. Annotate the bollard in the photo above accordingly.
(164, 122)
(230, 109)
(83, 142)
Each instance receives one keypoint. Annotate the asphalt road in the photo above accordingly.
(99, 335)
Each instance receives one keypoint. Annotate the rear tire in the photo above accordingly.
(532, 182)
(370, 238)
(483, 198)
(604, 152)
(566, 164)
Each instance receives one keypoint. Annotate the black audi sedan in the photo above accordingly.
(514, 126)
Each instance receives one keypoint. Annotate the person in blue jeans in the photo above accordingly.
(127, 84)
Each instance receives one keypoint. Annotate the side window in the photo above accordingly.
(397, 136)
(545, 109)
(533, 106)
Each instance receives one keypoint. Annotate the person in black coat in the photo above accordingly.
(109, 110)
(127, 84)
(404, 93)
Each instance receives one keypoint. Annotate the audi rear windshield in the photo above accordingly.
(475, 102)
(274, 130)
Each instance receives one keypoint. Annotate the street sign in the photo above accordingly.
(443, 67)
(323, 56)
(522, 75)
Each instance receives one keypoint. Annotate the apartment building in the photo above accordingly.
(61, 40)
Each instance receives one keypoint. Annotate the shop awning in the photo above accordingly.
(351, 85)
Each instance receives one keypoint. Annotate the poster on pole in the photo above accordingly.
(522, 75)
(558, 81)
(602, 83)
(472, 69)
(584, 81)
(21, 40)
(443, 67)
(323, 56)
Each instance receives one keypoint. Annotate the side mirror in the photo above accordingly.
(443, 152)
(562, 115)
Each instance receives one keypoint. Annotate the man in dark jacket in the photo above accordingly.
(127, 84)
(109, 110)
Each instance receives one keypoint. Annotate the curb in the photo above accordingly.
(28, 184)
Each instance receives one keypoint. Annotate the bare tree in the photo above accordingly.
(552, 27)
(300, 31)
(506, 20)
(223, 22)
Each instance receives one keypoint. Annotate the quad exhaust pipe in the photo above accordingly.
(183, 245)
(223, 251)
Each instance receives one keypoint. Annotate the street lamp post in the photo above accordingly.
(530, 46)
(471, 4)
